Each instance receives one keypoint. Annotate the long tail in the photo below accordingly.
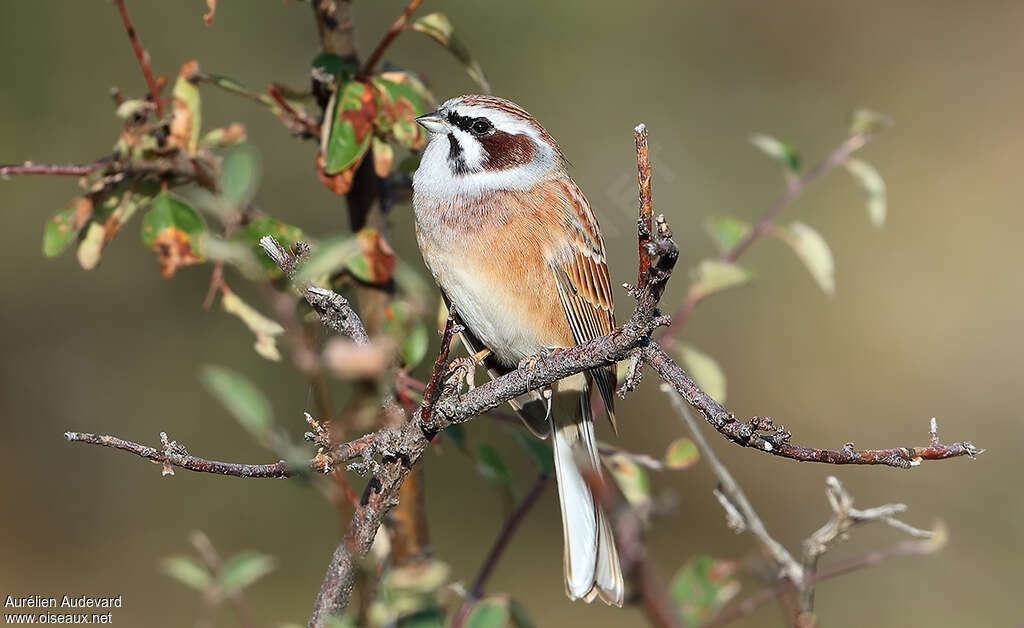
(591, 559)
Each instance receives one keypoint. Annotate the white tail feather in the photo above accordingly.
(591, 559)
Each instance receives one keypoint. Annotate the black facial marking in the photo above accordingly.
(477, 126)
(455, 156)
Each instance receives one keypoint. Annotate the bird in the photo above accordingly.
(516, 250)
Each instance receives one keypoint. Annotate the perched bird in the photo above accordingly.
(515, 247)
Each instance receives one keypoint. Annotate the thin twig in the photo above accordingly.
(389, 37)
(174, 455)
(432, 389)
(845, 517)
(142, 56)
(731, 490)
(873, 558)
(335, 311)
(762, 434)
(71, 170)
(509, 528)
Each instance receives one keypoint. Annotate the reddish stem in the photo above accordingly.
(142, 56)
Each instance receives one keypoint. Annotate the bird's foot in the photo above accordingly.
(529, 363)
(460, 371)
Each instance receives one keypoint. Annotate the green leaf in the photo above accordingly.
(241, 398)
(438, 27)
(251, 233)
(868, 121)
(265, 329)
(245, 568)
(492, 466)
(328, 257)
(240, 174)
(814, 252)
(188, 571)
(345, 621)
(334, 65)
(351, 129)
(170, 212)
(727, 231)
(704, 370)
(520, 616)
(490, 612)
(713, 275)
(701, 587)
(780, 151)
(414, 346)
(874, 185)
(59, 232)
(631, 478)
(681, 454)
(538, 451)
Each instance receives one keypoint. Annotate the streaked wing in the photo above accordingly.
(584, 286)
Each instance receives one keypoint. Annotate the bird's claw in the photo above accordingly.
(460, 371)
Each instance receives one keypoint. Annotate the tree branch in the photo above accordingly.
(72, 170)
(740, 513)
(393, 451)
(173, 455)
(762, 434)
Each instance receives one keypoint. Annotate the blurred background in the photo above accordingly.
(925, 319)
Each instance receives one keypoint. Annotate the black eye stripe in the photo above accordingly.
(466, 123)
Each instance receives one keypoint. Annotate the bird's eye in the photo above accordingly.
(481, 126)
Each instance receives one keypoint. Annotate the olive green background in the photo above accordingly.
(925, 321)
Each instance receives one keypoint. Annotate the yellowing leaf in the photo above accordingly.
(172, 229)
(375, 263)
(265, 329)
(874, 185)
(814, 252)
(383, 157)
(681, 454)
(438, 27)
(712, 276)
(631, 479)
(779, 150)
(91, 246)
(400, 103)
(186, 115)
(704, 370)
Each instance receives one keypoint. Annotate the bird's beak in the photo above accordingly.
(433, 122)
